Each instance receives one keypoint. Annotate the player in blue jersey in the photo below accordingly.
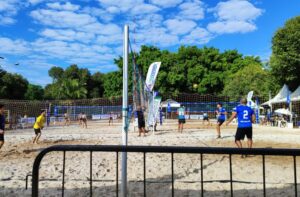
(221, 117)
(246, 117)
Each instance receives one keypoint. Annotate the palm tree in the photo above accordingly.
(72, 89)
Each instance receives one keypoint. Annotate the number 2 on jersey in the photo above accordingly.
(245, 116)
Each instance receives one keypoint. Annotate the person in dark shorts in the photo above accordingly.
(84, 120)
(205, 118)
(141, 122)
(181, 118)
(67, 119)
(38, 126)
(110, 121)
(2, 125)
(246, 117)
(221, 116)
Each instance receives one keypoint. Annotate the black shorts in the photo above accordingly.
(181, 121)
(220, 121)
(242, 132)
(2, 137)
(37, 131)
(205, 118)
(141, 124)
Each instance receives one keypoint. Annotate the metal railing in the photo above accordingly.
(160, 149)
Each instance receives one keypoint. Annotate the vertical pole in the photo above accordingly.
(153, 113)
(125, 110)
(291, 110)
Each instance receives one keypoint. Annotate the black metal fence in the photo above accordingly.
(160, 149)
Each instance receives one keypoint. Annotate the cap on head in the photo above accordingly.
(42, 111)
(244, 101)
(220, 104)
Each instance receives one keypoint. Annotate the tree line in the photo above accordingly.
(191, 69)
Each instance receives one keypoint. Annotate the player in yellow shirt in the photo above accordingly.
(38, 126)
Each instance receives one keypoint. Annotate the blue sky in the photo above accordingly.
(39, 34)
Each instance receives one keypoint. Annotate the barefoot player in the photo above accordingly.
(141, 121)
(84, 120)
(245, 117)
(110, 121)
(181, 118)
(38, 126)
(221, 116)
(67, 119)
(2, 125)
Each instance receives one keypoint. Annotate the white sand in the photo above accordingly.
(17, 156)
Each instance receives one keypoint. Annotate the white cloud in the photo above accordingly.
(4, 20)
(241, 10)
(180, 26)
(122, 5)
(75, 21)
(156, 36)
(64, 19)
(222, 27)
(9, 46)
(166, 3)
(148, 21)
(102, 14)
(8, 10)
(197, 36)
(234, 16)
(115, 39)
(133, 7)
(113, 10)
(192, 10)
(9, 6)
(67, 6)
(34, 2)
(68, 35)
(144, 9)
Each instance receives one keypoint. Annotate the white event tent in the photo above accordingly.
(280, 97)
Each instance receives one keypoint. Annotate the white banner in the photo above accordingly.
(103, 116)
(151, 76)
(153, 110)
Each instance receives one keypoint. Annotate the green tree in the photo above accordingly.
(285, 59)
(12, 86)
(251, 78)
(95, 85)
(113, 84)
(56, 73)
(71, 89)
(34, 92)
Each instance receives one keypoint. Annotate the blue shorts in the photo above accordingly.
(220, 121)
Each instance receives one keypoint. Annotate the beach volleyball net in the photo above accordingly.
(22, 113)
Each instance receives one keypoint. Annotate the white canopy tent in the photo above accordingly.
(171, 102)
(280, 97)
(283, 111)
(295, 96)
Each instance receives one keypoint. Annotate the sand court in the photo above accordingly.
(18, 154)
